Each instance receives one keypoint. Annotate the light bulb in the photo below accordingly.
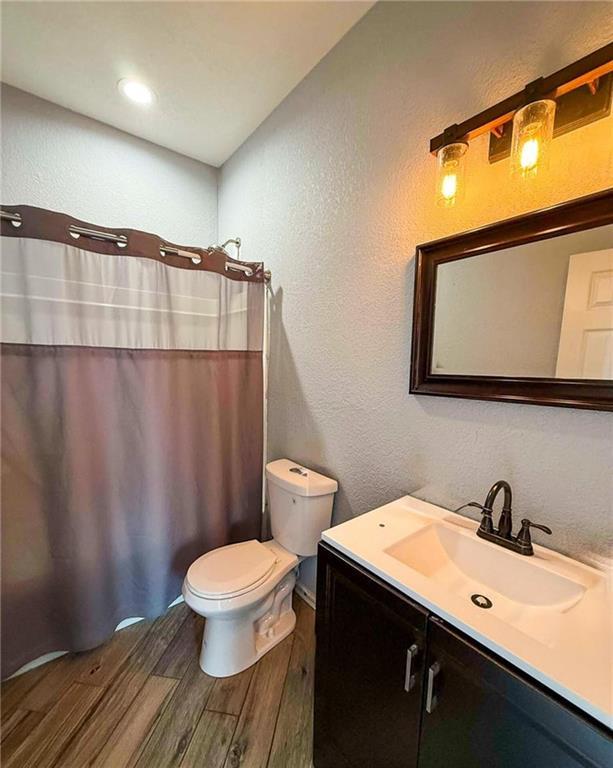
(450, 173)
(449, 186)
(529, 155)
(137, 92)
(532, 135)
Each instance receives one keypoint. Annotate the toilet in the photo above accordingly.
(245, 590)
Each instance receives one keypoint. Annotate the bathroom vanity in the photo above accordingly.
(410, 671)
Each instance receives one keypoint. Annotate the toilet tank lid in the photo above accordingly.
(298, 479)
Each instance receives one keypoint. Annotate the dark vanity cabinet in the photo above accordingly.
(397, 687)
(369, 670)
(478, 711)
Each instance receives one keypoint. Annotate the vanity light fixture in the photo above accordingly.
(532, 136)
(450, 173)
(524, 124)
(136, 91)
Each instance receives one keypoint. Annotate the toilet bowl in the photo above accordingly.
(248, 606)
(244, 590)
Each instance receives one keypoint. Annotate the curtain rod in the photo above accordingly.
(121, 241)
(95, 234)
(14, 218)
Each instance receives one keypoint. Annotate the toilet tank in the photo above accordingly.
(300, 504)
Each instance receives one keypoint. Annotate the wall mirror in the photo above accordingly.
(521, 310)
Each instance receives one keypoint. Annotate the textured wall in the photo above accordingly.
(335, 189)
(57, 159)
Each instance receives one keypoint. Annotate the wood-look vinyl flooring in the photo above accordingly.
(142, 701)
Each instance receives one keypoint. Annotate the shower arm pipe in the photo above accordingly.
(233, 241)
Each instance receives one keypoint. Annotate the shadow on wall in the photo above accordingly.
(293, 433)
(286, 396)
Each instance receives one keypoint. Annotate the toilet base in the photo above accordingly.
(284, 628)
(231, 645)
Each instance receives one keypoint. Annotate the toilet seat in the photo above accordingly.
(231, 571)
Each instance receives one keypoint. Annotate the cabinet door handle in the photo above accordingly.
(409, 677)
(431, 699)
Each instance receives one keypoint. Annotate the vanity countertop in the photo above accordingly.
(550, 616)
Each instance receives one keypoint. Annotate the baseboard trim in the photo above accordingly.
(306, 594)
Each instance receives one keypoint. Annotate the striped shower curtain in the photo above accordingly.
(131, 428)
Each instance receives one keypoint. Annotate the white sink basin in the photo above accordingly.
(547, 614)
(466, 565)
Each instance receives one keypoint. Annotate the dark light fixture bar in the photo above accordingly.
(585, 71)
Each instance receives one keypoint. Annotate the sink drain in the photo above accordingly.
(481, 601)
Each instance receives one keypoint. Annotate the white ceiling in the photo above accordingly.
(218, 68)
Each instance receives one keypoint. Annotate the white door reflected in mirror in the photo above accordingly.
(586, 337)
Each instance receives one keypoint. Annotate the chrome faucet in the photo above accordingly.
(522, 543)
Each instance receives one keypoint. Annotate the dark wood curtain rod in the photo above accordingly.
(41, 224)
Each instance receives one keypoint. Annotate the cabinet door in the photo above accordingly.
(479, 712)
(368, 672)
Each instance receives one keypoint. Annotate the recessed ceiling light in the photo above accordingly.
(137, 92)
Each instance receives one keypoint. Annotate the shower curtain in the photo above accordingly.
(131, 426)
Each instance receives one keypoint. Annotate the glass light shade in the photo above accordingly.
(532, 135)
(450, 173)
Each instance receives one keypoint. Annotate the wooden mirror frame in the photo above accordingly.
(584, 213)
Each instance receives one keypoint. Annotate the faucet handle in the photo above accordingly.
(529, 524)
(487, 524)
(524, 538)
